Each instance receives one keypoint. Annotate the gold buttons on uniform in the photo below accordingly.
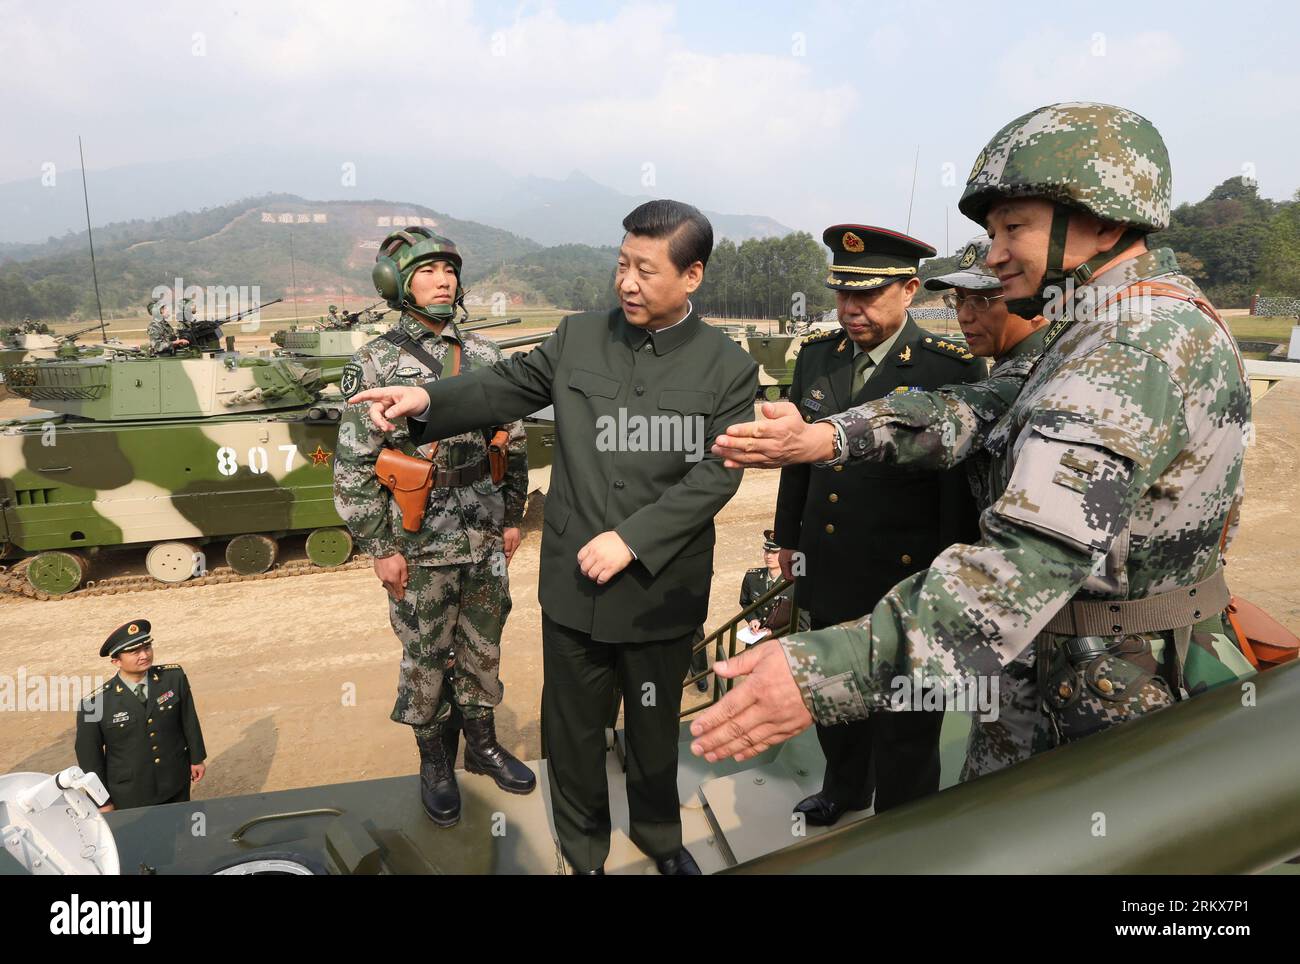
(906, 560)
(150, 721)
(833, 497)
(839, 468)
(156, 760)
(1105, 685)
(1064, 691)
(830, 529)
(155, 749)
(807, 418)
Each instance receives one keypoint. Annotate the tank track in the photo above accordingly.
(13, 582)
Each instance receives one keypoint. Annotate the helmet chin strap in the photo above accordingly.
(1053, 286)
(438, 314)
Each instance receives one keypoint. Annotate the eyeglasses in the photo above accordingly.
(978, 302)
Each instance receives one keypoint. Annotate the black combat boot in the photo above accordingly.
(438, 790)
(483, 754)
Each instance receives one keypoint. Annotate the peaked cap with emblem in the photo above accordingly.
(130, 635)
(972, 271)
(864, 258)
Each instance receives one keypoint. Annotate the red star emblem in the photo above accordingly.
(320, 456)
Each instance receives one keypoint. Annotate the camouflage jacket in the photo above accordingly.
(161, 335)
(1119, 468)
(462, 524)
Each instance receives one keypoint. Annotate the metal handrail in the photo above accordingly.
(729, 629)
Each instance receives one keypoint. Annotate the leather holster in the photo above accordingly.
(498, 457)
(410, 480)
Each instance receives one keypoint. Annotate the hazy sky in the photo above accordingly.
(811, 112)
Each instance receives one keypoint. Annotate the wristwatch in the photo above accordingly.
(837, 444)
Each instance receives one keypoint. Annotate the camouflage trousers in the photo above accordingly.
(450, 621)
(1023, 729)
(1020, 730)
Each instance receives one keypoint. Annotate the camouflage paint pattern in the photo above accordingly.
(1120, 471)
(450, 621)
(1103, 159)
(461, 524)
(116, 485)
(143, 450)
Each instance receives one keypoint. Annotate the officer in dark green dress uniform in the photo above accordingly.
(862, 528)
(627, 547)
(775, 613)
(139, 732)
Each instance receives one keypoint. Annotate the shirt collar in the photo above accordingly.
(1032, 343)
(665, 339)
(417, 330)
(879, 353)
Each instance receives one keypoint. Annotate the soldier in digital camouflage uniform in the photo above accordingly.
(449, 592)
(161, 335)
(1117, 467)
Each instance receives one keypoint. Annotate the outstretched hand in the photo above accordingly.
(392, 401)
(781, 438)
(764, 709)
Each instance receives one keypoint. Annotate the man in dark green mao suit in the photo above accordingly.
(627, 549)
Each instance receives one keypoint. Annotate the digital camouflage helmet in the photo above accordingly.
(1107, 161)
(400, 254)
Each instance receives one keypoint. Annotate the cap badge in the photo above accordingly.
(853, 243)
(133, 629)
(967, 257)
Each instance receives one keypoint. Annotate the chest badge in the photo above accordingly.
(408, 372)
(818, 394)
(121, 717)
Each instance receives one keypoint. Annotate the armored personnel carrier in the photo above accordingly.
(169, 453)
(178, 455)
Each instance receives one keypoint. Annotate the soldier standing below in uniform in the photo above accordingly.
(861, 528)
(627, 549)
(773, 615)
(161, 335)
(449, 594)
(1116, 469)
(139, 733)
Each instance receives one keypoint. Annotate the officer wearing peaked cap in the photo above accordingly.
(139, 732)
(859, 528)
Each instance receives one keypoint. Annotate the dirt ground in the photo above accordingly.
(294, 678)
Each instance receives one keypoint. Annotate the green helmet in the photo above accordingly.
(1105, 160)
(404, 251)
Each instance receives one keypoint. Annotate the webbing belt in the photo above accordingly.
(1176, 609)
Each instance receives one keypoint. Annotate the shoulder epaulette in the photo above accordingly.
(91, 696)
(950, 349)
(824, 336)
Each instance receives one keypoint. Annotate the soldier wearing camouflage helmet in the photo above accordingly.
(161, 335)
(448, 589)
(1117, 469)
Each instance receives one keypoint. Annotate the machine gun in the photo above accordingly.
(349, 318)
(68, 343)
(204, 333)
